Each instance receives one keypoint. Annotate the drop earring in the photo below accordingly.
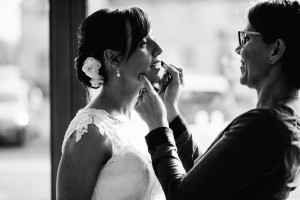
(118, 72)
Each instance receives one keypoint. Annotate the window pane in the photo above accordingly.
(24, 100)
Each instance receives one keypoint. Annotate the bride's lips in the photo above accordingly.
(152, 75)
(156, 65)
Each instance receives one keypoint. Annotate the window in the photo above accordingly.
(24, 100)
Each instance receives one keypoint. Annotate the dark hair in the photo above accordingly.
(280, 19)
(109, 29)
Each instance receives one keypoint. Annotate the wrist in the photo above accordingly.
(157, 124)
(172, 113)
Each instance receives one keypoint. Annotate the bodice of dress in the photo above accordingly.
(128, 174)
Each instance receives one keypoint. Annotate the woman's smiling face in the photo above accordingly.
(143, 60)
(254, 54)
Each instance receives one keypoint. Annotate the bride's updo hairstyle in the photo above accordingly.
(109, 29)
(280, 19)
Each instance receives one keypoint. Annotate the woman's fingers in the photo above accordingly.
(176, 72)
(180, 69)
(150, 106)
(147, 84)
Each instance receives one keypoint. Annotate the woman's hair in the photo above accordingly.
(276, 19)
(109, 29)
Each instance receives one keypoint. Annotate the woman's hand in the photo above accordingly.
(150, 106)
(171, 94)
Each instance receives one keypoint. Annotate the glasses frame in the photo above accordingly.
(243, 34)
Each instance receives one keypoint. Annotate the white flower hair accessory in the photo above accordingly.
(91, 68)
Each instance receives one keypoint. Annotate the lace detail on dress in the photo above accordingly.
(86, 116)
(128, 174)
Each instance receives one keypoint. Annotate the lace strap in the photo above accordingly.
(84, 117)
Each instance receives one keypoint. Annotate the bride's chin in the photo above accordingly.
(155, 79)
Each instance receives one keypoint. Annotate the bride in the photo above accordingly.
(99, 161)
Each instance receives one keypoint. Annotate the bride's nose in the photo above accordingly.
(157, 50)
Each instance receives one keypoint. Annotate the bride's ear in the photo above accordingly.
(111, 57)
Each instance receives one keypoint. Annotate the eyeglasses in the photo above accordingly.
(243, 38)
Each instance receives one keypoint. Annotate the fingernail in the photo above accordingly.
(163, 64)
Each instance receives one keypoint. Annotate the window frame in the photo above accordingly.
(67, 95)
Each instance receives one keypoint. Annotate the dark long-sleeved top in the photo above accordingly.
(257, 156)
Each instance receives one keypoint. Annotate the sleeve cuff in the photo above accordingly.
(178, 125)
(159, 136)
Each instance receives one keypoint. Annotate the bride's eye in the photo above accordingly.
(143, 42)
(152, 36)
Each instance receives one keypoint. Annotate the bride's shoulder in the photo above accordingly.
(86, 117)
(85, 139)
(92, 116)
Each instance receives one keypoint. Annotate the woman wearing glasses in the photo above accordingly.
(257, 156)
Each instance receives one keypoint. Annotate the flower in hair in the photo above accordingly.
(91, 68)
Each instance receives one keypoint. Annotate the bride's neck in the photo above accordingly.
(115, 103)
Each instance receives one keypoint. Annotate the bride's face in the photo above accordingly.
(144, 60)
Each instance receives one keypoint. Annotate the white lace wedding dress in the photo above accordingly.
(128, 174)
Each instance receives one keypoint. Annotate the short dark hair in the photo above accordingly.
(109, 29)
(276, 19)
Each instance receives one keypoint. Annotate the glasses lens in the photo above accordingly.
(242, 39)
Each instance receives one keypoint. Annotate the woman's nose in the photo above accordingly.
(157, 49)
(238, 50)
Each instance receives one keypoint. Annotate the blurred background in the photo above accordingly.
(199, 35)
